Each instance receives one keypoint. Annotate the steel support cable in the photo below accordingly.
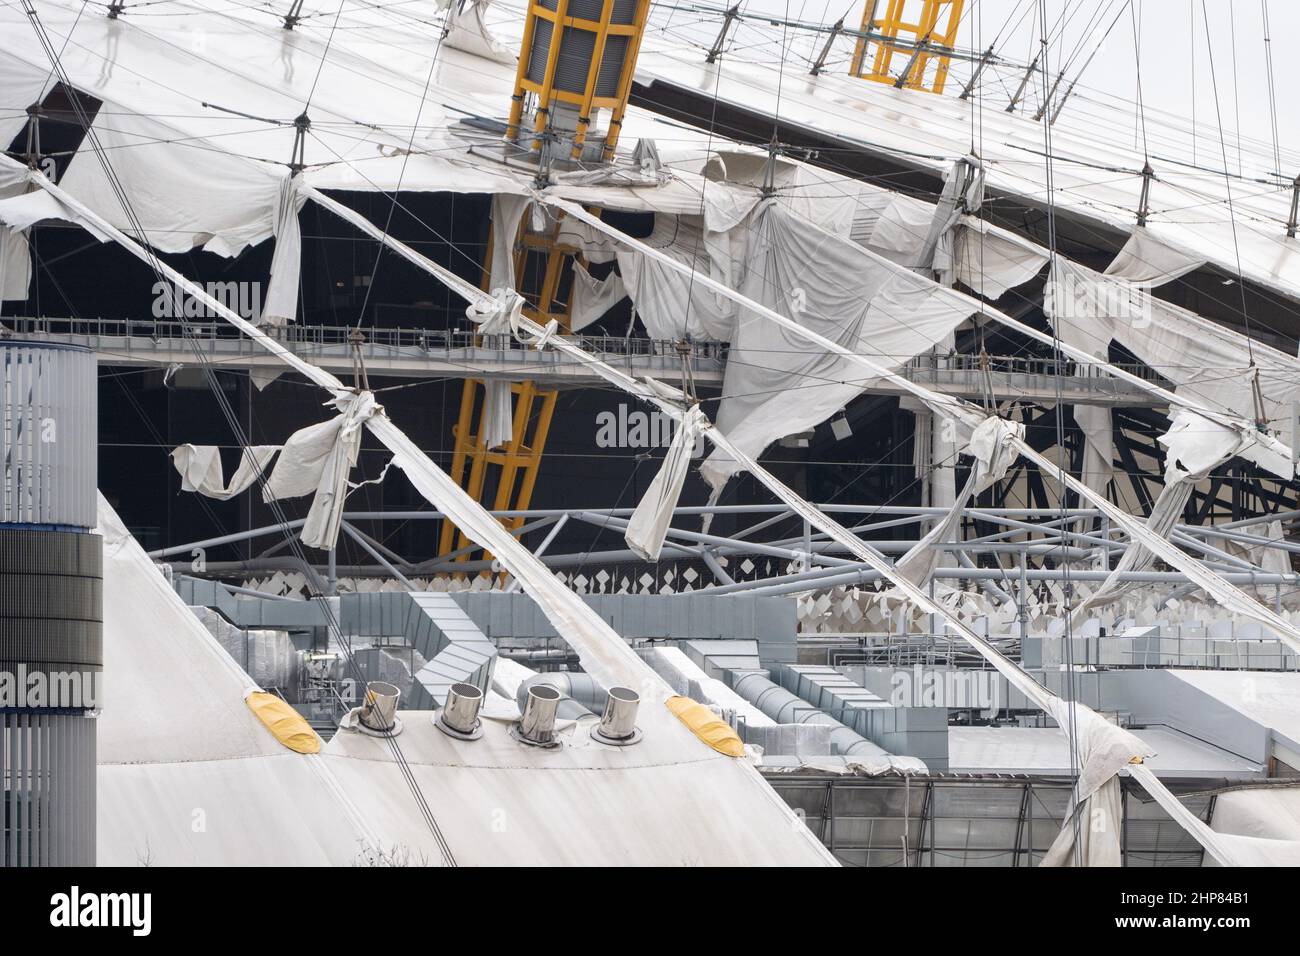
(317, 376)
(401, 174)
(1068, 590)
(1055, 111)
(1272, 97)
(1207, 579)
(160, 269)
(1236, 246)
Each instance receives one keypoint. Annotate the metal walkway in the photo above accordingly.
(429, 353)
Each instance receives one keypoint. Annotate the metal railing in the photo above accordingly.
(306, 339)
(1023, 365)
(212, 329)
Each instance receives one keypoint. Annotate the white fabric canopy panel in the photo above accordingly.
(778, 383)
(667, 801)
(203, 101)
(189, 776)
(601, 651)
(1096, 175)
(1206, 362)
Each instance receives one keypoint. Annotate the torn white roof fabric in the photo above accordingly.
(1097, 176)
(1206, 362)
(778, 383)
(200, 469)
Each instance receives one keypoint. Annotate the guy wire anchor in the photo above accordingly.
(990, 404)
(360, 380)
(685, 348)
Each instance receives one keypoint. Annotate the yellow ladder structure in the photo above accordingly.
(926, 37)
(577, 57)
(512, 467)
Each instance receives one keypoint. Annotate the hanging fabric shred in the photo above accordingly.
(501, 316)
(467, 31)
(593, 297)
(992, 445)
(649, 523)
(281, 305)
(777, 382)
(15, 265)
(15, 255)
(1206, 362)
(1091, 830)
(1098, 445)
(201, 471)
(1151, 261)
(1194, 445)
(498, 414)
(963, 192)
(317, 460)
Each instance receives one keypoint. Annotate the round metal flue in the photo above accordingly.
(537, 725)
(379, 712)
(618, 722)
(459, 715)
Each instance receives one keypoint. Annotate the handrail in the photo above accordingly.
(428, 340)
(452, 340)
(1021, 365)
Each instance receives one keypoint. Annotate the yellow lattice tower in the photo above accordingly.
(578, 59)
(918, 44)
(566, 75)
(539, 263)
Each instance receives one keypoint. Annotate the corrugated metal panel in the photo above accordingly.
(48, 420)
(51, 597)
(47, 786)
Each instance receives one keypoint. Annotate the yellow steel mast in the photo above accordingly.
(577, 59)
(919, 43)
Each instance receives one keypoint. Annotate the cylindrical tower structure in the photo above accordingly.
(51, 605)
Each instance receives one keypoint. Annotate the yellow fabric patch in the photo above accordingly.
(707, 725)
(284, 722)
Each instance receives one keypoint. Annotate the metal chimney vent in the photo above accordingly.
(459, 715)
(537, 725)
(379, 712)
(617, 725)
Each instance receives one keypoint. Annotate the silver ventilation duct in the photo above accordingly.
(379, 712)
(618, 721)
(459, 715)
(537, 724)
(785, 707)
(581, 695)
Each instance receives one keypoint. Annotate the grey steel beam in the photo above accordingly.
(360, 539)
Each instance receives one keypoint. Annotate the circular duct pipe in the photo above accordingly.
(618, 721)
(459, 715)
(785, 707)
(537, 724)
(581, 695)
(379, 712)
